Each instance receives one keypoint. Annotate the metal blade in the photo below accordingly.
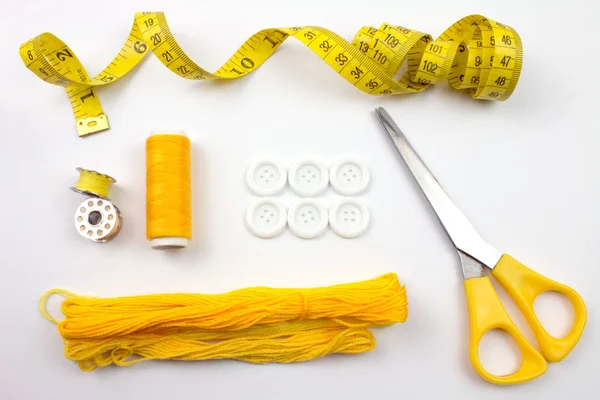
(459, 229)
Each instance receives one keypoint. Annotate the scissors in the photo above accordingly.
(486, 312)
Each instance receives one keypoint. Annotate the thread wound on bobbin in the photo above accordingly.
(168, 190)
(93, 183)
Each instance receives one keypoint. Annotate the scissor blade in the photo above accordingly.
(459, 229)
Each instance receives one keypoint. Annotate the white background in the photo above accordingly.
(525, 172)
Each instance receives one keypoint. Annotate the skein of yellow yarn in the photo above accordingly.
(256, 325)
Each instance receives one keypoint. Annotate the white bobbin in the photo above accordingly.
(169, 242)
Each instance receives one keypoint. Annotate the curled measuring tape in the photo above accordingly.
(476, 53)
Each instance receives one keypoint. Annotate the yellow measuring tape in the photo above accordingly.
(475, 53)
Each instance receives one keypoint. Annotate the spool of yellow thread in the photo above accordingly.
(93, 183)
(168, 190)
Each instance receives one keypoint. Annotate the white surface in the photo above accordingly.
(266, 217)
(349, 176)
(307, 218)
(266, 177)
(308, 177)
(526, 173)
(349, 217)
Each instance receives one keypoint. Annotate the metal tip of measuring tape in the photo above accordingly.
(86, 126)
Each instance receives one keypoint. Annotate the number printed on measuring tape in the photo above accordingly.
(475, 53)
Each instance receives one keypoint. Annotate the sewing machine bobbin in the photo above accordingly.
(98, 219)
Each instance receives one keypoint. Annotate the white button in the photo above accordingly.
(349, 218)
(307, 218)
(349, 176)
(266, 177)
(266, 218)
(308, 178)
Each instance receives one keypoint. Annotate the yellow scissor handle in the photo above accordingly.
(486, 312)
(524, 285)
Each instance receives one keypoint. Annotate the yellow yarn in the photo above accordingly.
(168, 187)
(93, 182)
(257, 325)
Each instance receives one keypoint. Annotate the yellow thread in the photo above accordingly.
(304, 307)
(61, 292)
(168, 187)
(476, 53)
(256, 325)
(94, 183)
